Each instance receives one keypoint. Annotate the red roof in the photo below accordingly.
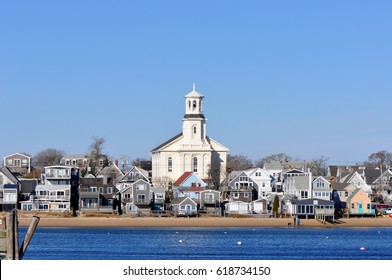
(196, 189)
(182, 178)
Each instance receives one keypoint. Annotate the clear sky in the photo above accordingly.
(307, 78)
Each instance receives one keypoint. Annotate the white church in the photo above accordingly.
(191, 150)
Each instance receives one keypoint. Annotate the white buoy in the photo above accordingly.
(180, 241)
(239, 243)
(363, 248)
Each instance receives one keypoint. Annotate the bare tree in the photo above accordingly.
(142, 163)
(163, 182)
(319, 166)
(47, 157)
(273, 157)
(96, 155)
(380, 158)
(238, 162)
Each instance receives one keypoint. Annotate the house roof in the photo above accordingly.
(196, 189)
(312, 200)
(20, 154)
(273, 165)
(182, 178)
(339, 186)
(180, 200)
(7, 172)
(139, 170)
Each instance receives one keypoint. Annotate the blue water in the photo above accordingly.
(209, 243)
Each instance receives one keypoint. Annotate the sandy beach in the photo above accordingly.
(129, 222)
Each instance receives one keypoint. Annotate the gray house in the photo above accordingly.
(97, 195)
(137, 198)
(9, 190)
(184, 206)
(18, 163)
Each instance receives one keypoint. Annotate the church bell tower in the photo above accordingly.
(194, 122)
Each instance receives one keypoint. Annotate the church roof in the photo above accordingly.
(167, 142)
(194, 93)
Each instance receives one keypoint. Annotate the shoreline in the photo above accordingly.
(154, 222)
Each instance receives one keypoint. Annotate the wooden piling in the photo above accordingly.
(12, 235)
(29, 235)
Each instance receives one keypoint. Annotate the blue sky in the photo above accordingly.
(307, 78)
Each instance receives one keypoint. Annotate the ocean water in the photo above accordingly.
(210, 244)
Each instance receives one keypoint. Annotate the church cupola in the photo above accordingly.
(194, 122)
(194, 104)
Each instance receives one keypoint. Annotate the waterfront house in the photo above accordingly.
(18, 163)
(297, 183)
(9, 189)
(359, 203)
(158, 198)
(240, 188)
(313, 208)
(237, 208)
(340, 194)
(210, 202)
(97, 195)
(58, 191)
(137, 197)
(322, 188)
(184, 206)
(183, 185)
(259, 206)
(27, 190)
(358, 180)
(257, 178)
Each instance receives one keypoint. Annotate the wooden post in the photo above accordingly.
(29, 235)
(10, 235)
(16, 233)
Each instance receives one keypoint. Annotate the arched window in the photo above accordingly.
(169, 164)
(194, 104)
(194, 130)
(189, 104)
(195, 164)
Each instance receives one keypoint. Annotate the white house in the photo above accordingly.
(191, 150)
(322, 188)
(356, 179)
(55, 192)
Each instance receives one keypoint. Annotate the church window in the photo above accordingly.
(189, 104)
(194, 105)
(170, 164)
(194, 130)
(195, 164)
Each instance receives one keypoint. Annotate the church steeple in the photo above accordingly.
(194, 122)
(194, 103)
